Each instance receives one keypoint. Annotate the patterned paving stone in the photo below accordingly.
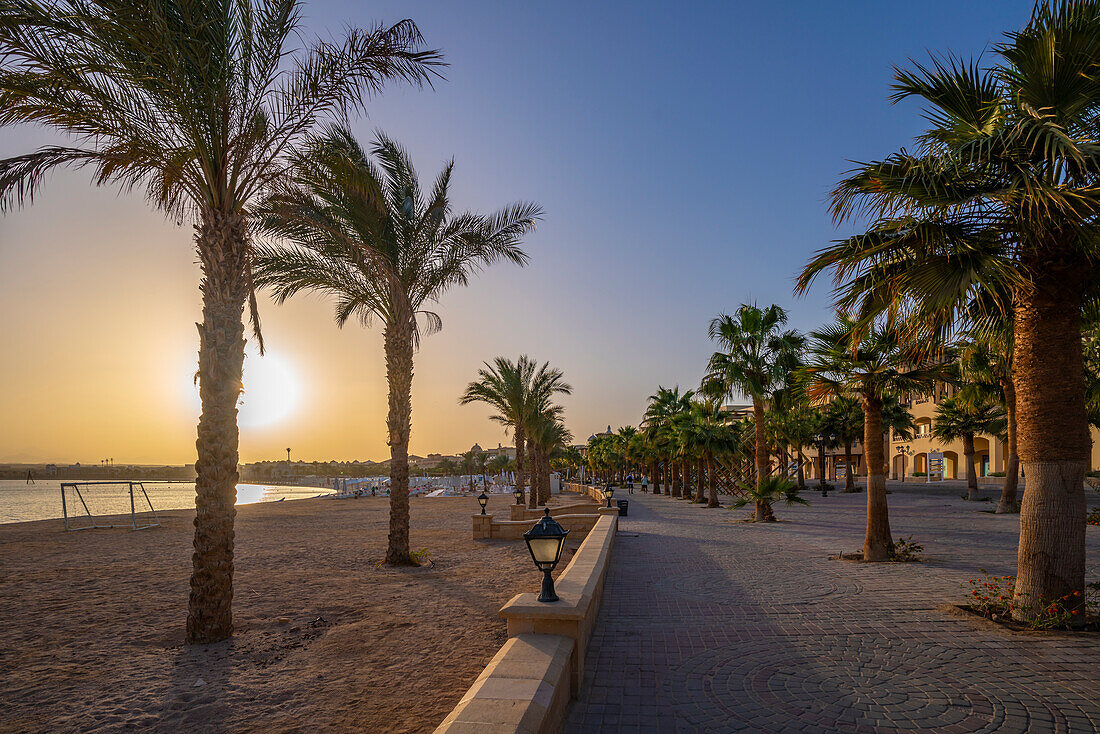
(713, 625)
(844, 683)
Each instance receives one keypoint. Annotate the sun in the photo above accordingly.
(271, 390)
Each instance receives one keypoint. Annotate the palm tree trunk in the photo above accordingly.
(849, 475)
(1012, 464)
(676, 485)
(971, 475)
(685, 469)
(398, 341)
(878, 543)
(545, 472)
(712, 494)
(521, 463)
(222, 246)
(654, 478)
(821, 465)
(801, 470)
(1054, 441)
(534, 479)
(700, 470)
(763, 509)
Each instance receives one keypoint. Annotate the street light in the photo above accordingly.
(545, 541)
(608, 493)
(483, 499)
(518, 494)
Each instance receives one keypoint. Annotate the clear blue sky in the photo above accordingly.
(682, 150)
(683, 153)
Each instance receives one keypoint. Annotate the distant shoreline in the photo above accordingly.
(21, 502)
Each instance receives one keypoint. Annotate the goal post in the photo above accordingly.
(92, 505)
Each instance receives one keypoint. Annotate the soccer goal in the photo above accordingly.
(89, 505)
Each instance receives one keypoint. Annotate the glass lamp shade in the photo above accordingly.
(545, 541)
(518, 494)
(483, 499)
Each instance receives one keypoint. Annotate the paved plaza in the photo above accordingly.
(710, 624)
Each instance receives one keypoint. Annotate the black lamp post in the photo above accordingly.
(545, 542)
(608, 493)
(518, 494)
(483, 499)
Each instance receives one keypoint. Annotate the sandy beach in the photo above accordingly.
(92, 622)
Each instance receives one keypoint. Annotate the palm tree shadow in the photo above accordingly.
(199, 687)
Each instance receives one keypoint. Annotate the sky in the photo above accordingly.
(683, 153)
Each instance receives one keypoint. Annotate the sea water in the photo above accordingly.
(20, 502)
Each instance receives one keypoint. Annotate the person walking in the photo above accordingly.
(645, 483)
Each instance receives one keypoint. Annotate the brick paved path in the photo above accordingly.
(710, 624)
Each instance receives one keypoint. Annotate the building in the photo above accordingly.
(908, 459)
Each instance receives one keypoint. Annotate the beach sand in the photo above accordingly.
(91, 623)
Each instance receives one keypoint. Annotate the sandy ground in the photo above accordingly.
(91, 623)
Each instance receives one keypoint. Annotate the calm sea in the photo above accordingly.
(20, 502)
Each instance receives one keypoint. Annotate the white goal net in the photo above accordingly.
(88, 505)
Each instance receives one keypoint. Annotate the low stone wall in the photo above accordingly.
(486, 527)
(520, 512)
(527, 685)
(524, 688)
(592, 491)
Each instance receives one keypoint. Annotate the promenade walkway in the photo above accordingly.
(710, 624)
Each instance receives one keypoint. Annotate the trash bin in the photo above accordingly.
(623, 504)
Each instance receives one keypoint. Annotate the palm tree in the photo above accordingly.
(956, 419)
(665, 404)
(766, 493)
(897, 419)
(504, 385)
(706, 435)
(1001, 190)
(357, 227)
(797, 424)
(985, 367)
(845, 420)
(520, 392)
(758, 356)
(546, 382)
(197, 103)
(547, 435)
(870, 364)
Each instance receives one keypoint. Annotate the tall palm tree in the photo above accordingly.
(757, 357)
(1002, 190)
(547, 436)
(503, 385)
(798, 426)
(197, 103)
(663, 405)
(869, 364)
(957, 418)
(358, 228)
(985, 367)
(546, 383)
(706, 435)
(846, 422)
(520, 392)
(896, 419)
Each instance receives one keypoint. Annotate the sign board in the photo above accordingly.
(935, 464)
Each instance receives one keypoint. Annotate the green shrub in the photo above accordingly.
(906, 550)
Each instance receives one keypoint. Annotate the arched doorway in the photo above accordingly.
(920, 463)
(951, 466)
(981, 456)
(897, 469)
